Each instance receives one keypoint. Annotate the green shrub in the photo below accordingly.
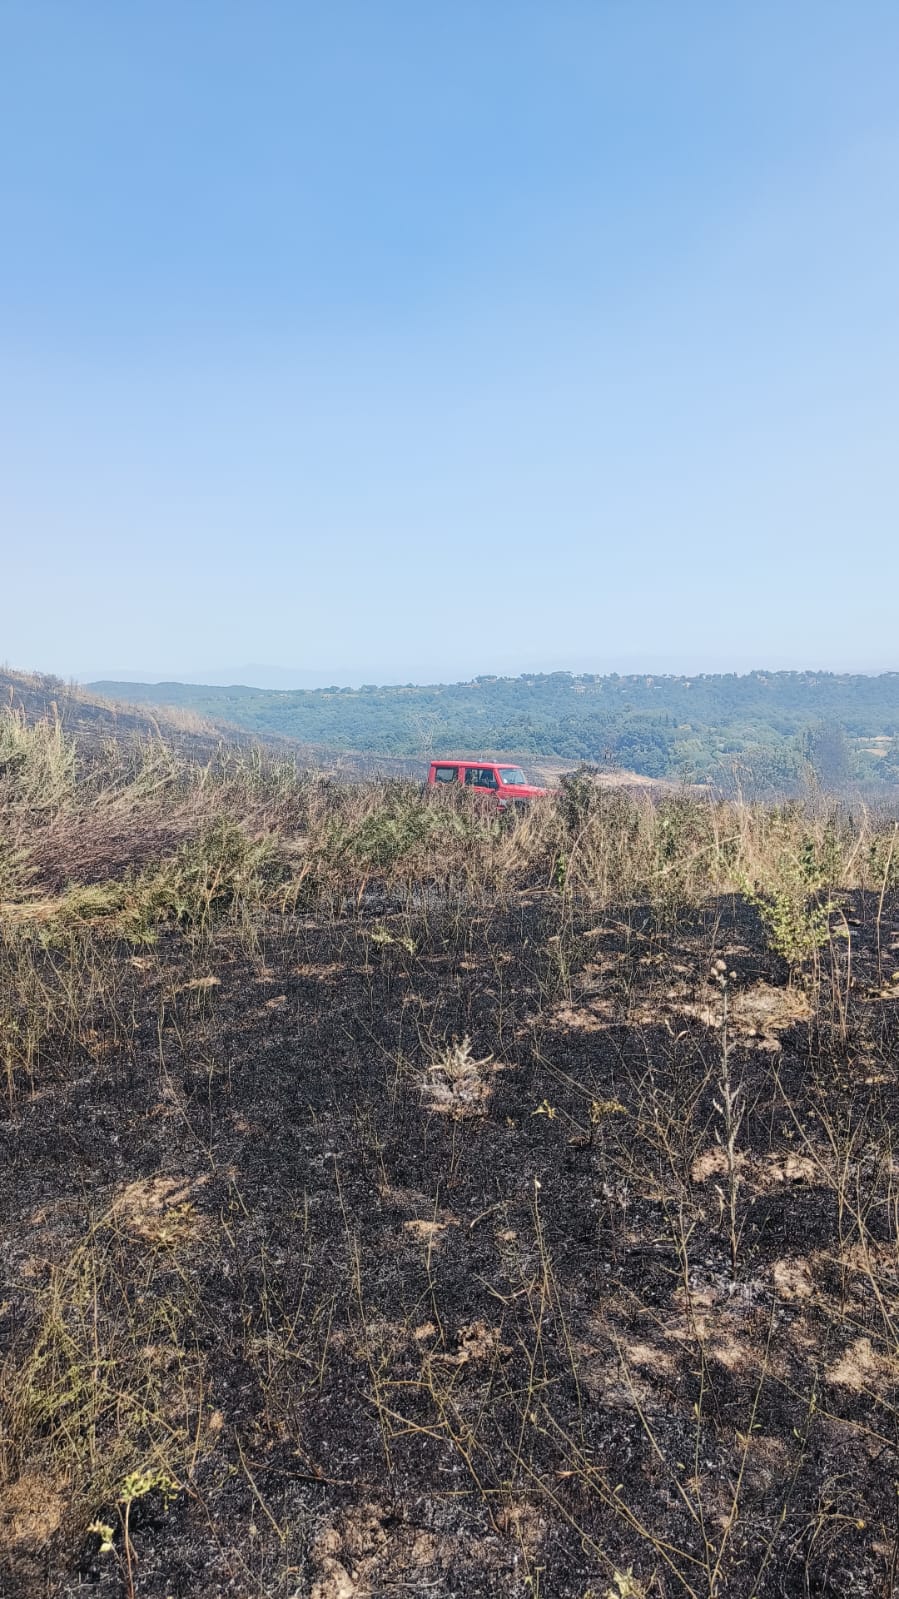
(578, 798)
(790, 888)
(211, 874)
(882, 860)
(400, 832)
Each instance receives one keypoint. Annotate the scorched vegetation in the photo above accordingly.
(399, 1199)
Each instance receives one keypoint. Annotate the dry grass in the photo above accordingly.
(408, 1200)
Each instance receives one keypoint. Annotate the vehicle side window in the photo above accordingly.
(487, 777)
(446, 774)
(471, 776)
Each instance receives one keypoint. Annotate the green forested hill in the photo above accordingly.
(697, 727)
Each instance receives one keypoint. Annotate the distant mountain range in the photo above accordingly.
(253, 676)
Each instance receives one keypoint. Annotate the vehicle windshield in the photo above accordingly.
(513, 775)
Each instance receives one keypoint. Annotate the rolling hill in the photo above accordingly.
(770, 725)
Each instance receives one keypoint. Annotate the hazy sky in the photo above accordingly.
(406, 340)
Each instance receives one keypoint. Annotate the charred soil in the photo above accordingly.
(392, 1254)
(437, 1228)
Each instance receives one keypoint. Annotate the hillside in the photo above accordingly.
(84, 713)
(765, 726)
(400, 1201)
(92, 719)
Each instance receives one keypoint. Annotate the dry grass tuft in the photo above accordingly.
(458, 1085)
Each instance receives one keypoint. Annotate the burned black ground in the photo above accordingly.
(391, 1246)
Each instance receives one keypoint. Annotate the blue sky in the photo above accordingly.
(398, 341)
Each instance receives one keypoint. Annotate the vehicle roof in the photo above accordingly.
(472, 760)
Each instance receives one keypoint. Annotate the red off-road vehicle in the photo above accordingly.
(505, 785)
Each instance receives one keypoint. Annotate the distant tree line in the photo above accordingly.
(767, 730)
